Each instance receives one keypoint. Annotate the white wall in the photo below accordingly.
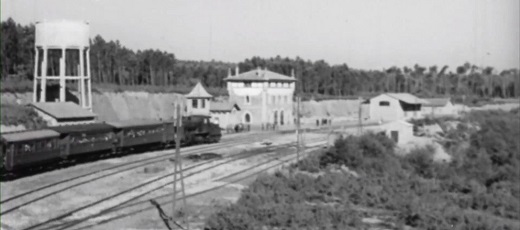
(404, 129)
(199, 110)
(266, 98)
(385, 113)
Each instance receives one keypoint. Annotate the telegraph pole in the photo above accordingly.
(360, 116)
(178, 169)
(298, 138)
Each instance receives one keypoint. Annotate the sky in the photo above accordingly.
(364, 34)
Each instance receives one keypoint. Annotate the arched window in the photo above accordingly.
(281, 117)
(247, 100)
(275, 120)
(247, 118)
(280, 99)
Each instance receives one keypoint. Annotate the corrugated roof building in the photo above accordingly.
(438, 107)
(395, 106)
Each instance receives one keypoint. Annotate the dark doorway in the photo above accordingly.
(247, 118)
(395, 136)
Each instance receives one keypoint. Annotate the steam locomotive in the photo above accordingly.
(26, 149)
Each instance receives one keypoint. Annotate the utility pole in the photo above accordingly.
(298, 138)
(360, 116)
(178, 169)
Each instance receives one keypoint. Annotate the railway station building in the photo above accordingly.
(264, 97)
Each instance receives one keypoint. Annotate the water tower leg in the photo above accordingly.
(62, 76)
(43, 85)
(82, 77)
(35, 76)
(89, 83)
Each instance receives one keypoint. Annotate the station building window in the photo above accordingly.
(194, 103)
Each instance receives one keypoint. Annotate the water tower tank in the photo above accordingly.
(62, 54)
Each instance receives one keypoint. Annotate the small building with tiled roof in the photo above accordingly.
(224, 113)
(263, 96)
(63, 113)
(438, 107)
(198, 101)
(395, 106)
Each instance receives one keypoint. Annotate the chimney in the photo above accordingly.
(229, 72)
(237, 70)
(292, 73)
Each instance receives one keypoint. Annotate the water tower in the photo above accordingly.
(62, 54)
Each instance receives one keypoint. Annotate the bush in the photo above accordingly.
(481, 190)
(21, 115)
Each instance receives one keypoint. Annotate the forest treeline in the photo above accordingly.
(113, 63)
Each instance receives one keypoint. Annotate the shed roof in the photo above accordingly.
(436, 102)
(224, 106)
(407, 98)
(63, 110)
(135, 123)
(29, 135)
(198, 92)
(93, 127)
(260, 75)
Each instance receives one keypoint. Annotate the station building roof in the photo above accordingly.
(222, 106)
(260, 75)
(199, 92)
(63, 110)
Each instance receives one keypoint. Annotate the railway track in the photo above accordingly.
(112, 204)
(142, 205)
(162, 155)
(52, 189)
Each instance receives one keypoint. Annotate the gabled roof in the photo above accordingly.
(63, 110)
(29, 135)
(259, 75)
(198, 92)
(436, 102)
(407, 98)
(218, 106)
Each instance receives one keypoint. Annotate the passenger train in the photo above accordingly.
(27, 149)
